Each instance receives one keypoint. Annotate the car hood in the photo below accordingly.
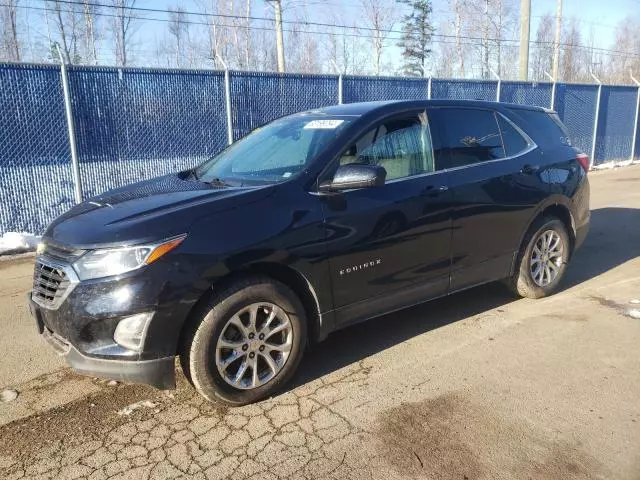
(146, 211)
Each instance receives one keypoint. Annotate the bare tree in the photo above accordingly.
(445, 54)
(574, 64)
(345, 54)
(458, 6)
(121, 28)
(9, 22)
(178, 27)
(229, 33)
(620, 65)
(90, 11)
(542, 58)
(380, 18)
(302, 53)
(67, 21)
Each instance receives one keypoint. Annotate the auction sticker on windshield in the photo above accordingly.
(324, 124)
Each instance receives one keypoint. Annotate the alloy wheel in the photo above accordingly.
(254, 345)
(546, 258)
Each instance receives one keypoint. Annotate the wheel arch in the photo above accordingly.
(286, 275)
(556, 208)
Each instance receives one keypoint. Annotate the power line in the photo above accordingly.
(344, 34)
(246, 27)
(243, 17)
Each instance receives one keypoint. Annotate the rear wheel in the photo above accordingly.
(248, 342)
(542, 260)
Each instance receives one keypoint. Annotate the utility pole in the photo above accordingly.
(485, 68)
(556, 43)
(277, 5)
(525, 25)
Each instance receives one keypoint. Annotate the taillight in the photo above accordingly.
(583, 160)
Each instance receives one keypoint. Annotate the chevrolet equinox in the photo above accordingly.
(308, 224)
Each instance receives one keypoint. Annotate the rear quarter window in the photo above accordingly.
(544, 128)
(514, 143)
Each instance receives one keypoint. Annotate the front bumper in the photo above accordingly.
(159, 372)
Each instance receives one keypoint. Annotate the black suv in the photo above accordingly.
(311, 223)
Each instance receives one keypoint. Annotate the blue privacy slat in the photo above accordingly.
(464, 90)
(35, 168)
(615, 123)
(576, 106)
(258, 98)
(367, 89)
(135, 124)
(523, 93)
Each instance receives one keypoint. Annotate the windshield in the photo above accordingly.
(273, 153)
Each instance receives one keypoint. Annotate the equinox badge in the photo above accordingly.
(362, 266)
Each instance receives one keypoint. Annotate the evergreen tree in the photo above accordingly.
(416, 36)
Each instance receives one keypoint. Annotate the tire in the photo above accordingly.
(523, 282)
(228, 314)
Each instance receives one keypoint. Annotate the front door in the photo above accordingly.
(389, 246)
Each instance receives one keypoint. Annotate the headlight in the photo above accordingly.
(115, 261)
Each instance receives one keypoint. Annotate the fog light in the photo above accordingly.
(131, 331)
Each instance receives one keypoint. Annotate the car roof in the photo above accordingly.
(362, 108)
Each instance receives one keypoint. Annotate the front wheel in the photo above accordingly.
(248, 343)
(542, 260)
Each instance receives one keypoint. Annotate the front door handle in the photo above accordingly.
(434, 190)
(529, 169)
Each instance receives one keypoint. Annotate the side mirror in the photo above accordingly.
(355, 175)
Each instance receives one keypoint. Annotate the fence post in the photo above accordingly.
(499, 84)
(595, 121)
(553, 90)
(227, 99)
(340, 89)
(75, 167)
(429, 88)
(635, 123)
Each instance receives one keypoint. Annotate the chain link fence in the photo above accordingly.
(464, 90)
(258, 98)
(538, 94)
(616, 123)
(35, 175)
(367, 89)
(133, 124)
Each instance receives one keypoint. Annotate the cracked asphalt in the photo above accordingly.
(474, 386)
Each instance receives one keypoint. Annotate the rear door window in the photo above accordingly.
(468, 136)
(514, 143)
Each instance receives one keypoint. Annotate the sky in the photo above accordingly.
(597, 16)
(601, 16)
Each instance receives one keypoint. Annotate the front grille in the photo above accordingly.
(50, 285)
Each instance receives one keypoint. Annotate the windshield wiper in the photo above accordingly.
(216, 182)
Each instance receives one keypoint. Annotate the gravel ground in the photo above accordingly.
(474, 386)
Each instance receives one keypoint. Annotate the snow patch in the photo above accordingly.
(634, 313)
(8, 395)
(614, 164)
(128, 410)
(18, 242)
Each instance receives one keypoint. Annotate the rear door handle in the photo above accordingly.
(529, 169)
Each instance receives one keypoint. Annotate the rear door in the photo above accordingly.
(389, 246)
(495, 182)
